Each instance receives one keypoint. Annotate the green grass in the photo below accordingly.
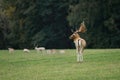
(99, 64)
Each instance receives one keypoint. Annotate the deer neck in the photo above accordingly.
(76, 39)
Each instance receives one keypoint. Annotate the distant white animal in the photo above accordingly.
(61, 51)
(11, 50)
(51, 51)
(48, 51)
(39, 49)
(26, 50)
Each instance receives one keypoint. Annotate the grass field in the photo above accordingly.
(99, 64)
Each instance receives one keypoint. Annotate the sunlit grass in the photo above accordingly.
(99, 64)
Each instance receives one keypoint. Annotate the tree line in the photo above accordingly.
(48, 23)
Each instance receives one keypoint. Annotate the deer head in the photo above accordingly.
(81, 29)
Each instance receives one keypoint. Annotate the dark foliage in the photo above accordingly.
(30, 23)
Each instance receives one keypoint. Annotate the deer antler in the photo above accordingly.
(82, 28)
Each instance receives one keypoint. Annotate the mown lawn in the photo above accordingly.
(99, 64)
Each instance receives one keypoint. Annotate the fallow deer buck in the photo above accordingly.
(79, 42)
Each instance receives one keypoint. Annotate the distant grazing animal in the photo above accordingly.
(26, 50)
(39, 49)
(80, 43)
(48, 51)
(62, 51)
(11, 50)
(51, 51)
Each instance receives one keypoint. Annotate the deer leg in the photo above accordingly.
(81, 54)
(78, 57)
(78, 54)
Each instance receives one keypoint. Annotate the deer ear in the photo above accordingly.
(82, 28)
